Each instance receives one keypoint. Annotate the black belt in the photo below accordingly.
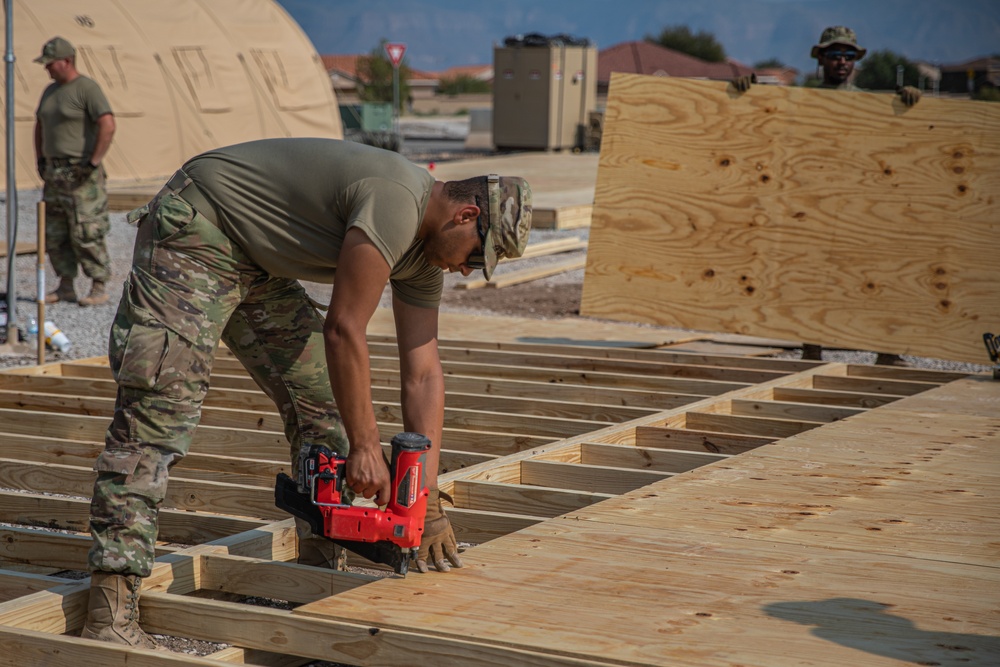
(181, 185)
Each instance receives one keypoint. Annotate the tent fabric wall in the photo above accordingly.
(182, 76)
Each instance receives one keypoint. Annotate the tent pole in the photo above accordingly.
(41, 282)
(11, 179)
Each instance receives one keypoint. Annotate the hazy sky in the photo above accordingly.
(445, 33)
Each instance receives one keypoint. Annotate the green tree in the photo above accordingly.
(375, 77)
(987, 94)
(702, 44)
(878, 71)
(769, 64)
(463, 83)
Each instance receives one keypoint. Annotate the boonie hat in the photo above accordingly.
(509, 220)
(55, 49)
(838, 34)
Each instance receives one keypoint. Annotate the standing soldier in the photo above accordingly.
(73, 130)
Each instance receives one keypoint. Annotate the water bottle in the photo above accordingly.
(55, 338)
(32, 326)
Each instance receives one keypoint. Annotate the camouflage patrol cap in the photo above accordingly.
(509, 220)
(838, 34)
(55, 49)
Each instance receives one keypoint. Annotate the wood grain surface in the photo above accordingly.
(869, 541)
(815, 215)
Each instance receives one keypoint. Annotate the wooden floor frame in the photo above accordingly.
(531, 432)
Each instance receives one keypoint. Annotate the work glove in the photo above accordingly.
(743, 83)
(41, 167)
(909, 95)
(438, 541)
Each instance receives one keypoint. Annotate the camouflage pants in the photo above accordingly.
(76, 220)
(190, 287)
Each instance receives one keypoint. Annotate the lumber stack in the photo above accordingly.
(814, 215)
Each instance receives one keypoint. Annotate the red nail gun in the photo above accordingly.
(387, 536)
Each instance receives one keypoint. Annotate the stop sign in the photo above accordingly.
(395, 52)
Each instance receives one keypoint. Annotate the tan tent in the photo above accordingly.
(182, 76)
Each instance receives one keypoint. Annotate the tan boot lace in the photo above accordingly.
(132, 615)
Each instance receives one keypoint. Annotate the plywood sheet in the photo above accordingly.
(813, 215)
(840, 546)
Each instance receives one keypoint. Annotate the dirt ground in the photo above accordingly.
(539, 299)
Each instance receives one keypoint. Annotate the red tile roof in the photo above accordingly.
(647, 58)
(420, 75)
(979, 64)
(782, 76)
(481, 72)
(632, 57)
(344, 64)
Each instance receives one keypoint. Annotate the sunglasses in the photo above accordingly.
(849, 56)
(477, 259)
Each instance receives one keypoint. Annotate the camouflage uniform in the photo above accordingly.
(189, 287)
(76, 218)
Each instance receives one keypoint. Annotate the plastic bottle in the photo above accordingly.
(32, 326)
(56, 339)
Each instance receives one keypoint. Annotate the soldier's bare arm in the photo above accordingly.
(422, 377)
(362, 273)
(105, 132)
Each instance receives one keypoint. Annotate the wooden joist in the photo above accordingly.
(512, 482)
(18, 584)
(62, 513)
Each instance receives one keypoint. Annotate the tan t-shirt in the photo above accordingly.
(68, 115)
(288, 203)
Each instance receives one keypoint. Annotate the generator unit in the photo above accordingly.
(544, 89)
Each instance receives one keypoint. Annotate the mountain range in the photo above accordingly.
(439, 34)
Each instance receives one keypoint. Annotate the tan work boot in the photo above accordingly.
(113, 611)
(97, 295)
(64, 292)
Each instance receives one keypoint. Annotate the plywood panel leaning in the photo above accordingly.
(810, 215)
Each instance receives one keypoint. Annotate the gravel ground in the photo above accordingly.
(87, 328)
